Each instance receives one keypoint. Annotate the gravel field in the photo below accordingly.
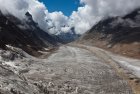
(70, 70)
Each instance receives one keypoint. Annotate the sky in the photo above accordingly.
(56, 16)
(66, 6)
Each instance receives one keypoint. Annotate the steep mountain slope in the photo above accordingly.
(24, 34)
(44, 36)
(118, 34)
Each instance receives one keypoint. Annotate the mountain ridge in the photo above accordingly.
(117, 34)
(23, 34)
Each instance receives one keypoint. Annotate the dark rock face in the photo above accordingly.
(23, 34)
(44, 36)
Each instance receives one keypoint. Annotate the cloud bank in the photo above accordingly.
(82, 20)
(93, 11)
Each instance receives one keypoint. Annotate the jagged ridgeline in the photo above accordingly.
(24, 34)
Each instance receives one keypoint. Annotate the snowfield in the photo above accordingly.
(132, 65)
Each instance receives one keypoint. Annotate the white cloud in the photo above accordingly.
(60, 21)
(95, 10)
(16, 7)
(82, 20)
(49, 22)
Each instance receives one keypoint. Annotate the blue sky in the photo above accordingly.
(66, 6)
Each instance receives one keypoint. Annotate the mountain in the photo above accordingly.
(118, 34)
(67, 37)
(24, 34)
(44, 36)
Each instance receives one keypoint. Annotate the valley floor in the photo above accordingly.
(74, 69)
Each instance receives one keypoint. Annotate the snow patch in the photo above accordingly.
(134, 69)
(11, 64)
